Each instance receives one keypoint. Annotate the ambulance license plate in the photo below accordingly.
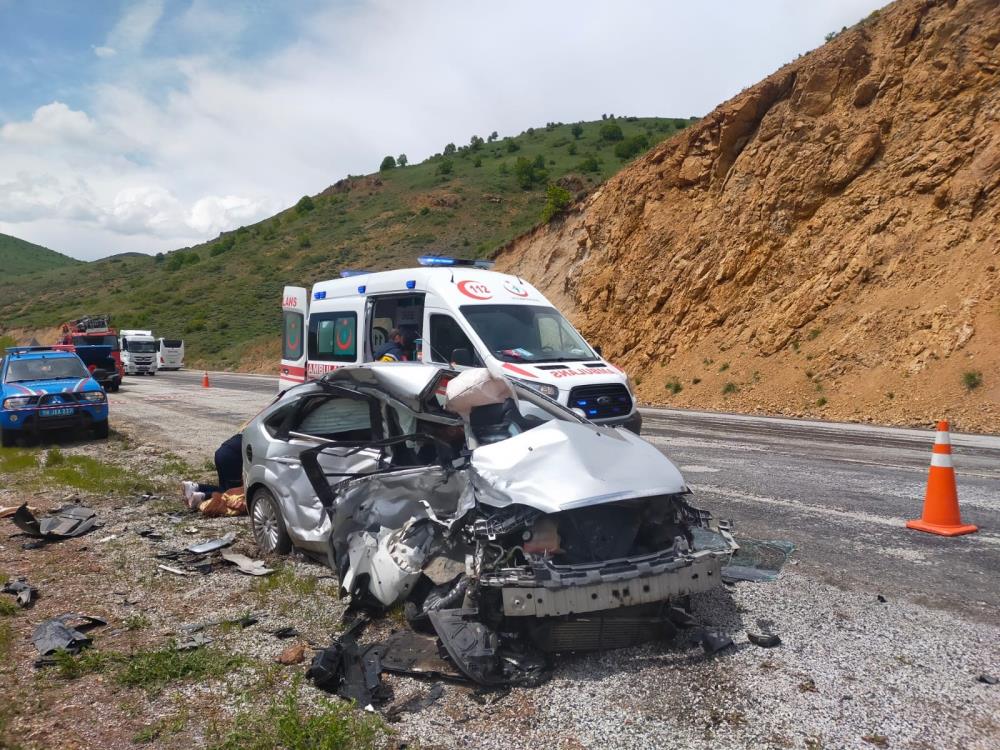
(64, 412)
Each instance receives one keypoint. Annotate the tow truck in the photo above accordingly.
(95, 330)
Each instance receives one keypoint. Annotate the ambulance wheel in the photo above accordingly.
(7, 438)
(267, 524)
(101, 430)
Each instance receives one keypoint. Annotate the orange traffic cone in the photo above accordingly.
(941, 514)
(204, 380)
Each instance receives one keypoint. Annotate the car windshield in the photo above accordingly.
(54, 368)
(142, 347)
(527, 333)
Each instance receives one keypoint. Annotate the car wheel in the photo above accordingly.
(7, 438)
(267, 524)
(101, 430)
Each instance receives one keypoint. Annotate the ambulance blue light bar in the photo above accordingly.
(411, 284)
(352, 272)
(444, 260)
(319, 295)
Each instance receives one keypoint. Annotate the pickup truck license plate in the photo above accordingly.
(64, 412)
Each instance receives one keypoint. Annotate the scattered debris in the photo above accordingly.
(66, 633)
(415, 703)
(767, 640)
(65, 523)
(246, 565)
(212, 545)
(150, 534)
(808, 686)
(194, 642)
(175, 571)
(347, 669)
(286, 632)
(292, 655)
(712, 641)
(10, 510)
(987, 679)
(878, 740)
(757, 561)
(408, 652)
(244, 622)
(107, 539)
(881, 599)
(24, 593)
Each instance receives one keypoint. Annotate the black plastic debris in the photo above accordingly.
(65, 523)
(349, 670)
(150, 534)
(203, 548)
(417, 654)
(987, 679)
(765, 640)
(24, 593)
(286, 632)
(881, 599)
(712, 641)
(66, 633)
(416, 703)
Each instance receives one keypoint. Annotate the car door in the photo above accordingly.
(315, 419)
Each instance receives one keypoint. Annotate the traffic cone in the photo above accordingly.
(204, 380)
(941, 514)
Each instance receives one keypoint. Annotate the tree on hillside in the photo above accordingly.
(492, 137)
(449, 150)
(304, 205)
(611, 131)
(557, 199)
(387, 163)
(445, 167)
(401, 160)
(631, 147)
(576, 130)
(475, 143)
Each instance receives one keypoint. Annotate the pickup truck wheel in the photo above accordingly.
(7, 438)
(101, 430)
(267, 524)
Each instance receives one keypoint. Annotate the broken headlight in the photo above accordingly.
(544, 388)
(18, 402)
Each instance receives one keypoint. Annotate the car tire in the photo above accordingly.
(8, 438)
(267, 524)
(100, 430)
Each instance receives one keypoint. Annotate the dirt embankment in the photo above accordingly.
(822, 244)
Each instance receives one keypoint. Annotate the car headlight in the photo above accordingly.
(17, 402)
(544, 388)
(94, 396)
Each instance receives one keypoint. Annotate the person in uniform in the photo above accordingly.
(394, 349)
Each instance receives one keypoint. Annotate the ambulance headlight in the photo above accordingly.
(93, 396)
(544, 388)
(18, 402)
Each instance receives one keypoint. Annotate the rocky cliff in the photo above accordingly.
(822, 244)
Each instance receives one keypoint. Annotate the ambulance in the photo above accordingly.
(454, 312)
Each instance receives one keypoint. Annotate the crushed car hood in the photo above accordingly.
(561, 465)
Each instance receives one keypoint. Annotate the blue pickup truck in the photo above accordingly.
(45, 389)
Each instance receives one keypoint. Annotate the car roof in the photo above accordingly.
(404, 381)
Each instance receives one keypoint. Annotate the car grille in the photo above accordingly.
(601, 631)
(603, 401)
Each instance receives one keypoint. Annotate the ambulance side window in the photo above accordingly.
(333, 337)
(292, 340)
(446, 337)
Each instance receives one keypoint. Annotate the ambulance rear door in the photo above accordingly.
(294, 308)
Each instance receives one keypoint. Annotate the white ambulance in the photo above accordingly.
(454, 312)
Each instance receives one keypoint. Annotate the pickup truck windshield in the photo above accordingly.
(56, 368)
(527, 333)
(140, 347)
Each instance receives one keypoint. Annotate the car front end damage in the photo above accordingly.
(566, 536)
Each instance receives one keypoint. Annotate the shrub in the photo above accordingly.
(674, 386)
(821, 401)
(589, 164)
(571, 149)
(723, 367)
(449, 150)
(576, 130)
(695, 381)
(425, 210)
(478, 162)
(972, 380)
(475, 143)
(512, 146)
(446, 167)
(401, 160)
(729, 388)
(631, 147)
(528, 173)
(158, 258)
(557, 199)
(814, 333)
(387, 163)
(304, 240)
(611, 131)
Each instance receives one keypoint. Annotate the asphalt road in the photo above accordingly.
(840, 492)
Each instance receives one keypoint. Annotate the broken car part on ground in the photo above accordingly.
(509, 526)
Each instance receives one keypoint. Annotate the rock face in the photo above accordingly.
(824, 243)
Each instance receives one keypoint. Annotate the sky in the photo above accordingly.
(149, 125)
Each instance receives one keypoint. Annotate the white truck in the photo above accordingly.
(139, 352)
(170, 354)
(455, 312)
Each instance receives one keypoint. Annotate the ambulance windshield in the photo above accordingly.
(527, 333)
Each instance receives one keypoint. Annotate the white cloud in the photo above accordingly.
(105, 52)
(135, 26)
(213, 214)
(51, 123)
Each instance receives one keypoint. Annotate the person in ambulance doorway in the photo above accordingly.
(394, 349)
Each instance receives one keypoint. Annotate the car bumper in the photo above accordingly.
(31, 420)
(632, 422)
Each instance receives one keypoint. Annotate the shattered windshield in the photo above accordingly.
(21, 370)
(527, 333)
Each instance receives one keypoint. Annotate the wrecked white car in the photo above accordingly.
(506, 523)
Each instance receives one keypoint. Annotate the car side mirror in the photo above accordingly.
(462, 357)
(599, 352)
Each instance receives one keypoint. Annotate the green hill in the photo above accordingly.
(223, 296)
(18, 257)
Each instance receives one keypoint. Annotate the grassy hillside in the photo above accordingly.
(18, 257)
(223, 296)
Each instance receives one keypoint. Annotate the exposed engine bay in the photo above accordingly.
(542, 535)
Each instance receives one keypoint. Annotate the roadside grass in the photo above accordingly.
(7, 608)
(6, 641)
(285, 579)
(286, 723)
(136, 621)
(972, 380)
(165, 727)
(16, 460)
(88, 474)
